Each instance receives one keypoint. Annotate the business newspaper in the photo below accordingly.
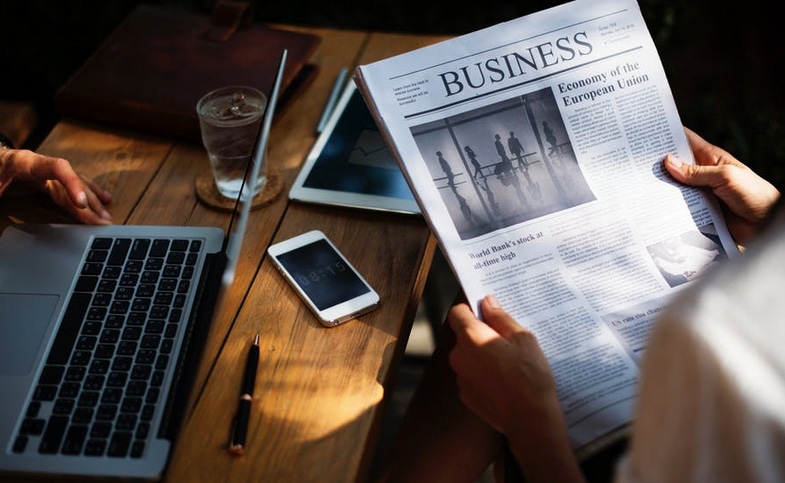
(535, 149)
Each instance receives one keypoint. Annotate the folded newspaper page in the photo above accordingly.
(535, 149)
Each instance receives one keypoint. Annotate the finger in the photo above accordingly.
(707, 154)
(95, 205)
(700, 147)
(88, 214)
(694, 175)
(58, 169)
(498, 319)
(65, 174)
(468, 328)
(103, 195)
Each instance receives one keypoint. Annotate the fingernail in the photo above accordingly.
(673, 161)
(493, 302)
(105, 215)
(82, 198)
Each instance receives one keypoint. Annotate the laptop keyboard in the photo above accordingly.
(103, 378)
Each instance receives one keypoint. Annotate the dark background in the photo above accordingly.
(723, 59)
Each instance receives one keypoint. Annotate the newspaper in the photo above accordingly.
(535, 149)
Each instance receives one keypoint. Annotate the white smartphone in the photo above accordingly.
(331, 287)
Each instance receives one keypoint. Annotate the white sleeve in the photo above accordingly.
(712, 399)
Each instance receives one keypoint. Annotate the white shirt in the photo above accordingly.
(712, 400)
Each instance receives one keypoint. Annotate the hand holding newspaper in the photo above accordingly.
(534, 149)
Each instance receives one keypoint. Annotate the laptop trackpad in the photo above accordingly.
(24, 319)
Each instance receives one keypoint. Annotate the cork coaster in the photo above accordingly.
(208, 193)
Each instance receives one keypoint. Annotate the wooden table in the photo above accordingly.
(320, 393)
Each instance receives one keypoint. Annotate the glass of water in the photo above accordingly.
(229, 118)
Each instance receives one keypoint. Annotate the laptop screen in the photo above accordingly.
(236, 235)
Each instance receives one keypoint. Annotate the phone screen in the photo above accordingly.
(322, 274)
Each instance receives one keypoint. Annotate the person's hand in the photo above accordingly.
(504, 377)
(76, 194)
(747, 197)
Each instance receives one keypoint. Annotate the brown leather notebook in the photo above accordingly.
(154, 68)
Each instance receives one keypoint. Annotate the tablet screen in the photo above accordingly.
(350, 164)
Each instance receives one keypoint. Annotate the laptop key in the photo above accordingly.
(53, 435)
(101, 430)
(95, 447)
(101, 243)
(20, 443)
(111, 395)
(139, 249)
(97, 256)
(126, 422)
(33, 409)
(92, 268)
(45, 393)
(82, 415)
(32, 427)
(134, 266)
(63, 406)
(88, 399)
(142, 430)
(104, 351)
(119, 444)
(137, 449)
(106, 412)
(75, 373)
(179, 245)
(86, 283)
(159, 248)
(51, 374)
(127, 348)
(112, 272)
(119, 251)
(74, 440)
(70, 390)
(69, 329)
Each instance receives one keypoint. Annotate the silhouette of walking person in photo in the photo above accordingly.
(446, 168)
(516, 149)
(505, 166)
(550, 137)
(473, 160)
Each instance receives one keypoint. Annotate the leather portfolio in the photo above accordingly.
(153, 69)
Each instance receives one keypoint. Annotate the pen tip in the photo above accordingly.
(256, 339)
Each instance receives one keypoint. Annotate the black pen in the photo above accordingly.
(332, 100)
(237, 446)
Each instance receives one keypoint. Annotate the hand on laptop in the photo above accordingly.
(76, 194)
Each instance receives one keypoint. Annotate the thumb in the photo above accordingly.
(497, 319)
(694, 175)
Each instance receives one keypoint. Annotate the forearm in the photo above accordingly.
(542, 449)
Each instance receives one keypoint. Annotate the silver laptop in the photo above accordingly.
(100, 333)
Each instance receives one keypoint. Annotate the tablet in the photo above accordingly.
(350, 164)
